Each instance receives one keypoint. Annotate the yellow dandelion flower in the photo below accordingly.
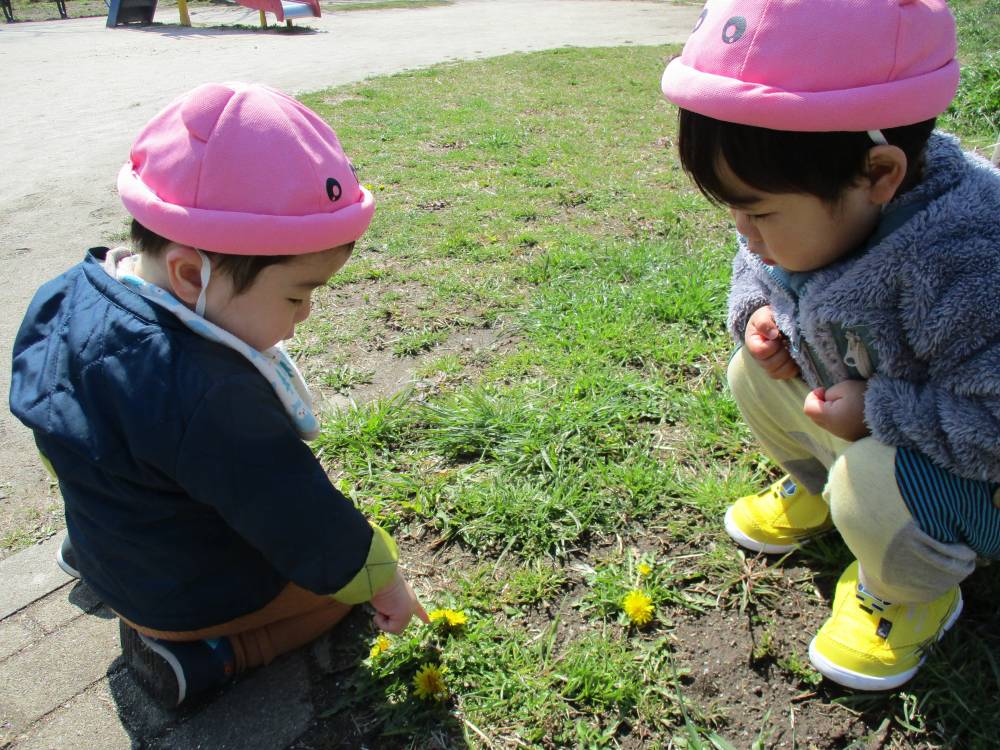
(452, 618)
(429, 684)
(644, 569)
(380, 646)
(639, 607)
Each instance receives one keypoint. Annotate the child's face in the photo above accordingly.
(278, 299)
(798, 231)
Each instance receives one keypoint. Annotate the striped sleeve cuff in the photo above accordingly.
(377, 572)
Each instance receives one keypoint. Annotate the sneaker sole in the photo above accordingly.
(752, 544)
(858, 681)
(66, 567)
(155, 667)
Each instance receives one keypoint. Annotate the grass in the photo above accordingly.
(345, 377)
(601, 441)
(975, 111)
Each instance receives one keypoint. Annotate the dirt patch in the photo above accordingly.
(735, 673)
(365, 326)
(392, 374)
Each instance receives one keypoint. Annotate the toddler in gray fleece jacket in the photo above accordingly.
(865, 297)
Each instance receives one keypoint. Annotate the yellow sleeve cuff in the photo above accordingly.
(48, 466)
(377, 572)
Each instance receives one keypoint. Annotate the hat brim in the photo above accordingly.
(237, 233)
(884, 105)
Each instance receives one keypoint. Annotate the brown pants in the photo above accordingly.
(293, 618)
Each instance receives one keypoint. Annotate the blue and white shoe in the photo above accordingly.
(173, 672)
(66, 558)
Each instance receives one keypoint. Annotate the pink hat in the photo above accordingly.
(817, 65)
(244, 169)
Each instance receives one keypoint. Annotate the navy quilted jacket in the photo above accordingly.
(190, 498)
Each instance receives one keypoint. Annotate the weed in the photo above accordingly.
(415, 342)
(345, 377)
(799, 668)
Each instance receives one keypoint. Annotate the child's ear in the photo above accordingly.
(183, 266)
(886, 172)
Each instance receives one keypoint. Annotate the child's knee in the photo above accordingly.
(861, 491)
(902, 562)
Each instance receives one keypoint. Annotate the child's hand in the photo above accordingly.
(766, 345)
(839, 410)
(395, 605)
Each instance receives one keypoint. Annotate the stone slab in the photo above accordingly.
(45, 675)
(268, 710)
(29, 575)
(16, 632)
(47, 615)
(67, 603)
(87, 721)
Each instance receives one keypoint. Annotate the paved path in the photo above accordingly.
(73, 94)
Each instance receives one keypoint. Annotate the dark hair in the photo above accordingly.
(242, 269)
(779, 161)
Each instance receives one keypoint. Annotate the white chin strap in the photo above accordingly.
(878, 138)
(206, 274)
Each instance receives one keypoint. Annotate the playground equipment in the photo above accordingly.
(141, 11)
(8, 11)
(283, 10)
(131, 11)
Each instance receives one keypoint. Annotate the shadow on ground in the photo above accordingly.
(320, 697)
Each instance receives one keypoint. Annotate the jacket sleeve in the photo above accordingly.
(746, 295)
(945, 400)
(958, 428)
(242, 456)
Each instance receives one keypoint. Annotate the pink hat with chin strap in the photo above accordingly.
(244, 169)
(817, 65)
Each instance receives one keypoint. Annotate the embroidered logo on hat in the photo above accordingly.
(333, 189)
(735, 28)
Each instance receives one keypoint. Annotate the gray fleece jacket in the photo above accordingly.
(925, 302)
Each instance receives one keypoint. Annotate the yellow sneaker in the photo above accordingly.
(778, 519)
(870, 644)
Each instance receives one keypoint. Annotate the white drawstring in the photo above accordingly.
(878, 138)
(206, 274)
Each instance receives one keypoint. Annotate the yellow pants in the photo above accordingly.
(899, 562)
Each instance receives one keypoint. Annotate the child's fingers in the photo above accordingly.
(782, 366)
(390, 624)
(419, 612)
(815, 405)
(768, 329)
(775, 362)
(762, 345)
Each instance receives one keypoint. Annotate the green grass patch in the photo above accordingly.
(975, 112)
(550, 204)
(345, 377)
